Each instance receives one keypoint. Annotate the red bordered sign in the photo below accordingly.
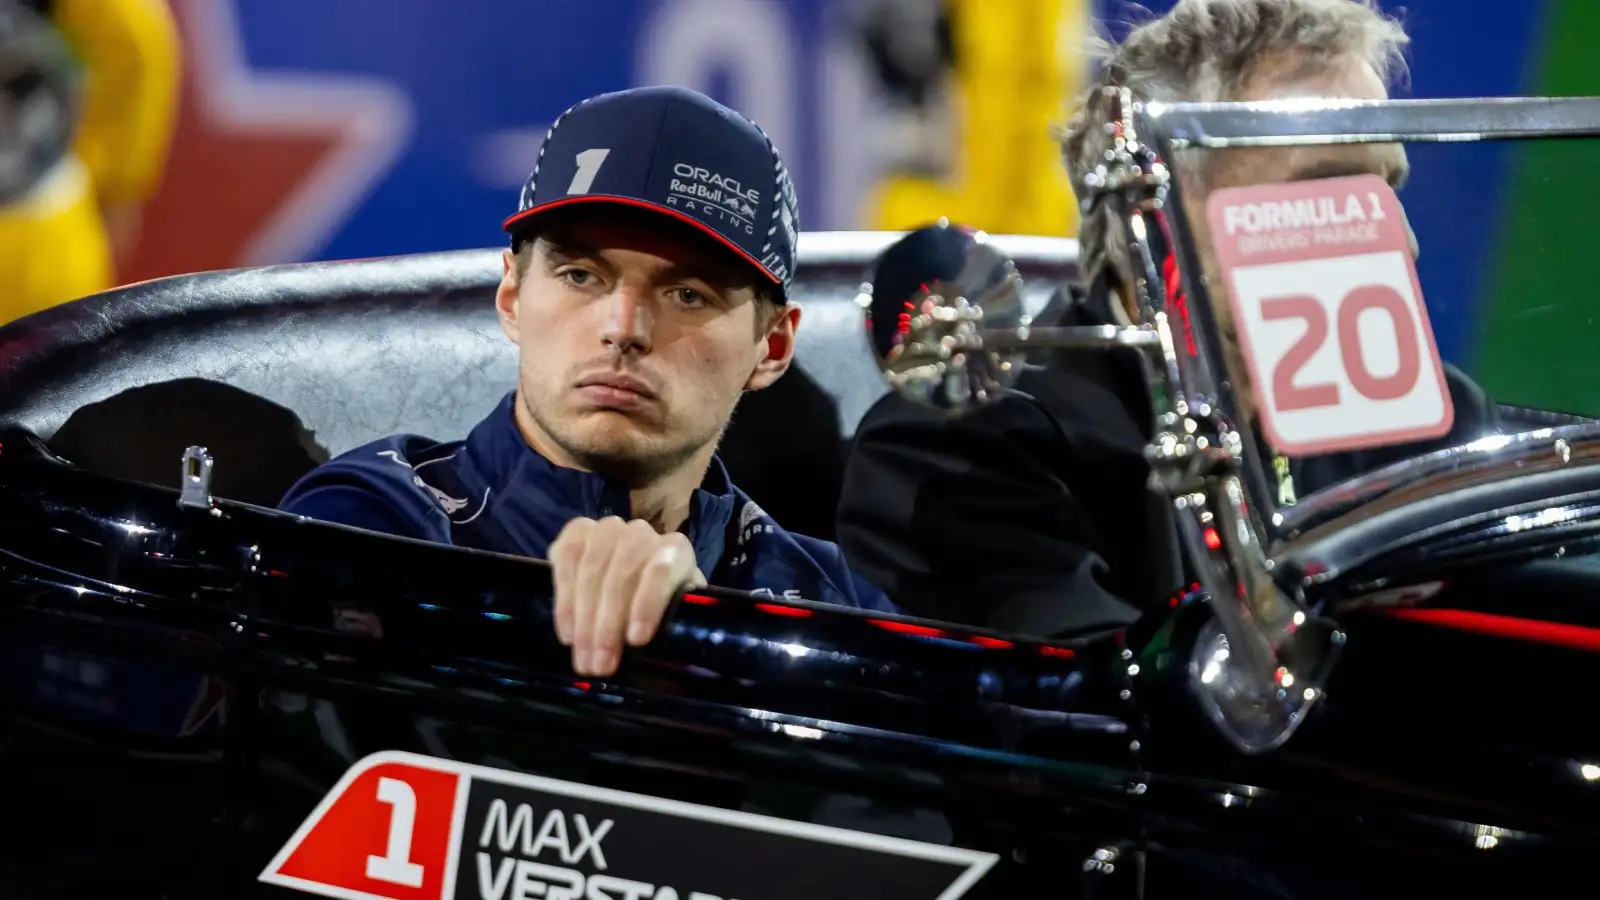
(399, 826)
(1324, 292)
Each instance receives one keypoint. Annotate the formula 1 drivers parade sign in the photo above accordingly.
(399, 826)
(1323, 287)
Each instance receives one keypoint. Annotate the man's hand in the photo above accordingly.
(613, 581)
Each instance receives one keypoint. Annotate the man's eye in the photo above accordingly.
(690, 297)
(576, 277)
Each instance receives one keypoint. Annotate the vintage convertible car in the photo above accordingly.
(1376, 690)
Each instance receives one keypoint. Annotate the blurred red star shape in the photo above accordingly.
(263, 167)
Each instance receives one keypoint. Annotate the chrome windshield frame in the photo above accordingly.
(1176, 127)
(1297, 546)
(1260, 665)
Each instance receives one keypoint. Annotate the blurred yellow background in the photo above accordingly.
(1017, 64)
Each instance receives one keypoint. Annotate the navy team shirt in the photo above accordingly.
(494, 492)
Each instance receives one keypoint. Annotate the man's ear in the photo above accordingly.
(779, 346)
(505, 296)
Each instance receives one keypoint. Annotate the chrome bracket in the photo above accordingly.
(194, 491)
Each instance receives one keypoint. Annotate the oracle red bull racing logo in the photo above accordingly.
(399, 826)
(699, 189)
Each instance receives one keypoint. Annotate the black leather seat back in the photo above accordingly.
(275, 369)
(356, 349)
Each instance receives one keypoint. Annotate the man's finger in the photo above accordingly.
(670, 567)
(565, 553)
(634, 545)
(599, 547)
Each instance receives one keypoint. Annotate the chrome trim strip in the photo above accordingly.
(1304, 122)
(1484, 461)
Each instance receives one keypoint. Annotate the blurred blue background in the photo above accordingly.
(443, 106)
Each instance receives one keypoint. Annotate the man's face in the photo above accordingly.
(1348, 77)
(636, 337)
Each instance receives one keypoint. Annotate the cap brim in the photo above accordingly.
(521, 219)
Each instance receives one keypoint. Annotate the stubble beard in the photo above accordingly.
(634, 463)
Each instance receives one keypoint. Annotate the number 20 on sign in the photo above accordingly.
(1324, 296)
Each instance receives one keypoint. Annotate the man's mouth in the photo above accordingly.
(616, 391)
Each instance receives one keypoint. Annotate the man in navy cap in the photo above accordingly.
(646, 288)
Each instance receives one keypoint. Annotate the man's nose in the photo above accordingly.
(628, 316)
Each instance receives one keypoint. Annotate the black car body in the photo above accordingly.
(189, 675)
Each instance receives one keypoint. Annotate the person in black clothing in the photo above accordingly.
(1036, 513)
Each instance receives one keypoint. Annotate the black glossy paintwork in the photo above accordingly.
(183, 687)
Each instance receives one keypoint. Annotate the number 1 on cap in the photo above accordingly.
(588, 166)
(1329, 314)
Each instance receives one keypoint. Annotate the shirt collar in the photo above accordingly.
(524, 479)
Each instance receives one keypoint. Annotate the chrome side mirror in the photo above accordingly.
(934, 295)
(947, 325)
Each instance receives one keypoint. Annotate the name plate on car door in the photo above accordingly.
(400, 826)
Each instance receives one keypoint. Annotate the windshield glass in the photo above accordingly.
(1309, 280)
(1506, 268)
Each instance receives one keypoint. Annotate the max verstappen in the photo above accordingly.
(646, 290)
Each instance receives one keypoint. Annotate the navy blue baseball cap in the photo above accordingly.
(678, 153)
